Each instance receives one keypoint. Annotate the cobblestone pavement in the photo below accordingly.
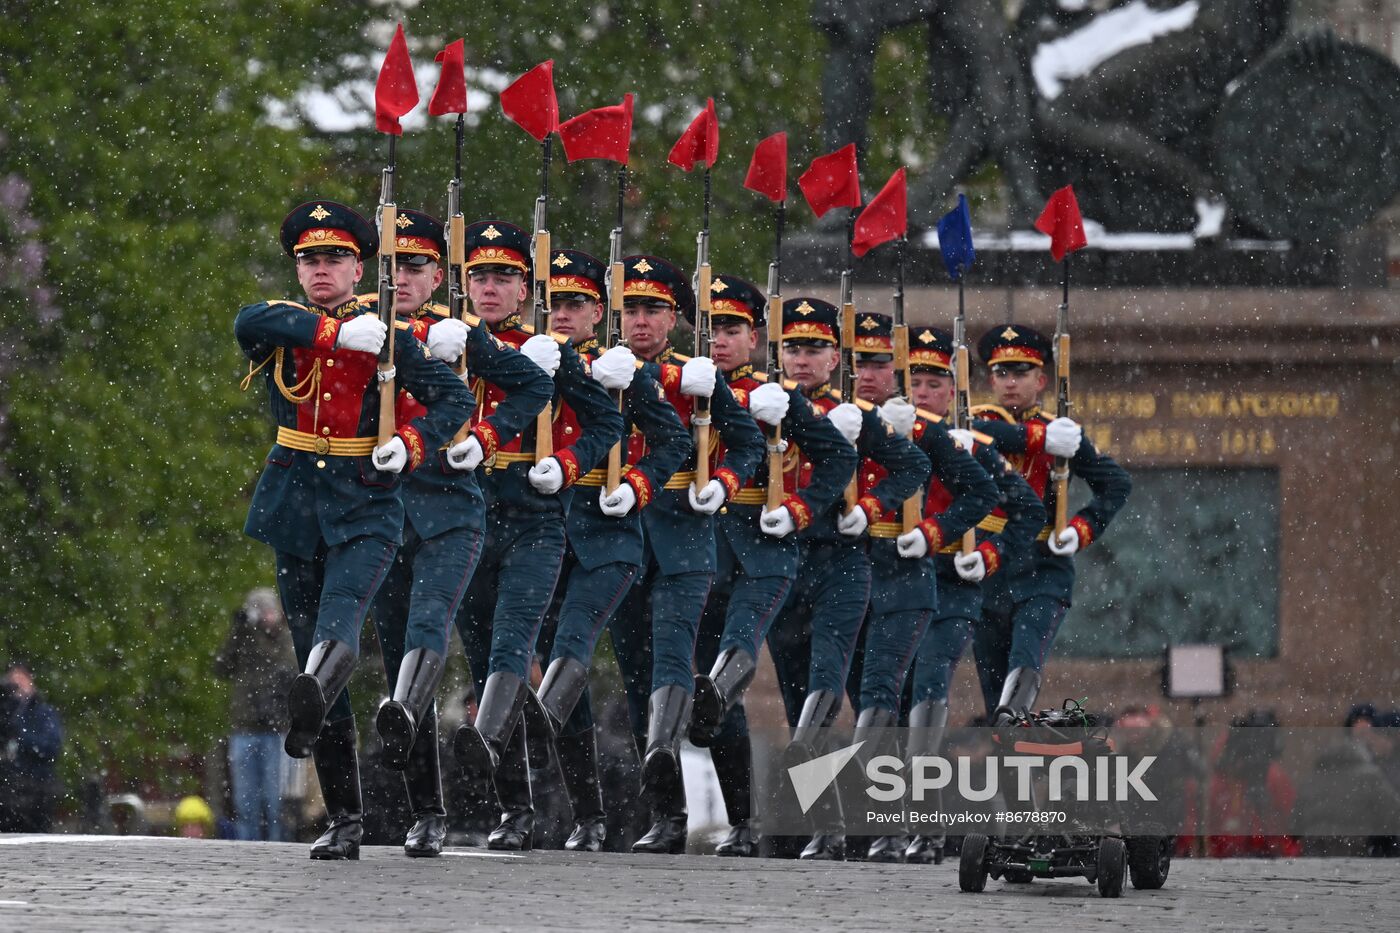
(131, 884)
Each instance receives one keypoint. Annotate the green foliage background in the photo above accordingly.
(156, 182)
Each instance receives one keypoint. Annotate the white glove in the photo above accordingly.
(847, 419)
(447, 339)
(698, 377)
(778, 523)
(1065, 543)
(963, 437)
(392, 457)
(1062, 437)
(769, 403)
(466, 456)
(615, 367)
(708, 500)
(543, 351)
(912, 544)
(618, 502)
(853, 523)
(971, 567)
(547, 476)
(365, 333)
(899, 415)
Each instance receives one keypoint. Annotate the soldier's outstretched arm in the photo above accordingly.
(669, 444)
(263, 327)
(600, 423)
(1025, 513)
(1110, 485)
(527, 388)
(1011, 437)
(974, 493)
(833, 460)
(906, 466)
(448, 401)
(744, 448)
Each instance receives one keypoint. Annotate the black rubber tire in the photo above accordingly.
(972, 864)
(1113, 866)
(1149, 860)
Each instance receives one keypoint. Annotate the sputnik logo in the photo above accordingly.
(811, 778)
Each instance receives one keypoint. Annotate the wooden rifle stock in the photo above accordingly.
(388, 215)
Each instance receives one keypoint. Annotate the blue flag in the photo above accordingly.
(955, 239)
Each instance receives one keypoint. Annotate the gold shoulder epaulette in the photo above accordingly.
(997, 410)
(401, 324)
(284, 301)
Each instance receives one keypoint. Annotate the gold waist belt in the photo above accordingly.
(993, 523)
(681, 480)
(598, 477)
(751, 495)
(332, 446)
(504, 457)
(886, 529)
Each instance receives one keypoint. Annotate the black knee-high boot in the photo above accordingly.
(578, 759)
(512, 779)
(338, 770)
(328, 670)
(399, 716)
(423, 780)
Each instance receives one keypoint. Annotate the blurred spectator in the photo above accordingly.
(194, 819)
(258, 660)
(1176, 773)
(31, 737)
(1251, 796)
(1363, 762)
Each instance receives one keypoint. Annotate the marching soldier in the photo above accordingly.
(1021, 613)
(903, 593)
(754, 571)
(1003, 546)
(526, 506)
(446, 517)
(328, 499)
(654, 632)
(605, 546)
(815, 635)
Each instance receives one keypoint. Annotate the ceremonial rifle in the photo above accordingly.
(848, 344)
(962, 401)
(1060, 471)
(913, 506)
(700, 411)
(612, 326)
(776, 491)
(387, 218)
(539, 265)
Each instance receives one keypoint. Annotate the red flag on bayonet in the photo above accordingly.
(450, 95)
(884, 218)
(601, 133)
(832, 181)
(395, 93)
(699, 142)
(768, 168)
(530, 101)
(1062, 222)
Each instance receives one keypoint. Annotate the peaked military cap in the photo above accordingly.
(1014, 346)
(328, 227)
(874, 336)
(647, 278)
(421, 238)
(494, 245)
(574, 272)
(733, 299)
(930, 348)
(811, 322)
